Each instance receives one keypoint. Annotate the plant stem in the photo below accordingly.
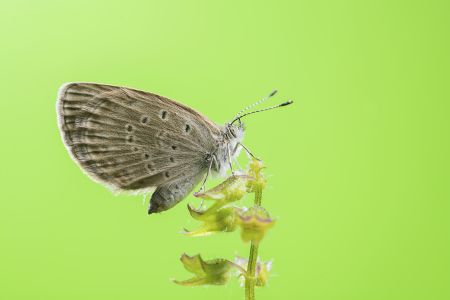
(250, 279)
(258, 196)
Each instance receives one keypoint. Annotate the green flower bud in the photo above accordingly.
(258, 181)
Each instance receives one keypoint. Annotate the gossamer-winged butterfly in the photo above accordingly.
(135, 141)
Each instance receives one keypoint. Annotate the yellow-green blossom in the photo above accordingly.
(254, 223)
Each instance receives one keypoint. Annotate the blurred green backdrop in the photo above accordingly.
(358, 167)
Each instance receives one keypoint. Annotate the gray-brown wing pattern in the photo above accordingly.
(133, 140)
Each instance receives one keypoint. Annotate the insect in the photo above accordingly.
(135, 141)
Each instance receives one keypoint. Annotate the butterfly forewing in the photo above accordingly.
(134, 140)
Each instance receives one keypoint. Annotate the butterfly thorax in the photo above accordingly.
(228, 148)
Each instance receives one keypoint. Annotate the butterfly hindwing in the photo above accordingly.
(169, 194)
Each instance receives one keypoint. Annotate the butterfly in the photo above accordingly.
(136, 141)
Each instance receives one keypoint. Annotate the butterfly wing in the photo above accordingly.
(131, 140)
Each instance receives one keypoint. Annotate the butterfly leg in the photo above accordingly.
(202, 188)
(248, 151)
(235, 156)
(229, 160)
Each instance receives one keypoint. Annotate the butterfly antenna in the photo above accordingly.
(261, 110)
(255, 104)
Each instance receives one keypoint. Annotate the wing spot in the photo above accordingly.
(187, 128)
(174, 147)
(144, 120)
(135, 149)
(172, 159)
(167, 174)
(129, 127)
(164, 115)
(150, 167)
(146, 156)
(130, 139)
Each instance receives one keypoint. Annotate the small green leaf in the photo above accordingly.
(232, 189)
(209, 272)
(223, 219)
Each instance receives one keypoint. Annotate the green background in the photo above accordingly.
(358, 167)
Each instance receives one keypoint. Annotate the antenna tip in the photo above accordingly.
(287, 103)
(273, 93)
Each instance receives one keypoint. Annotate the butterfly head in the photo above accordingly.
(234, 132)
